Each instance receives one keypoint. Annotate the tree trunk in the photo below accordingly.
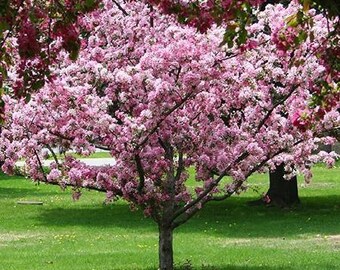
(1, 162)
(166, 260)
(282, 192)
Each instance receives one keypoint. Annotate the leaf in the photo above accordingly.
(292, 21)
(229, 35)
(242, 36)
(27, 98)
(4, 26)
(37, 84)
(4, 7)
(3, 72)
(306, 5)
(300, 38)
(74, 54)
(295, 19)
(8, 59)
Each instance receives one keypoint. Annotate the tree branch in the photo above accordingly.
(41, 166)
(120, 8)
(57, 134)
(154, 129)
(209, 188)
(180, 167)
(102, 147)
(56, 183)
(189, 215)
(53, 154)
(263, 121)
(141, 173)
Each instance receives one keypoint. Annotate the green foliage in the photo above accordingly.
(300, 38)
(87, 5)
(331, 6)
(94, 155)
(295, 19)
(236, 30)
(4, 6)
(229, 36)
(3, 26)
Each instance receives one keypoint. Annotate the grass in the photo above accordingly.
(103, 154)
(86, 235)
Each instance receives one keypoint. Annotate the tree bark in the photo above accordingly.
(1, 162)
(282, 192)
(166, 260)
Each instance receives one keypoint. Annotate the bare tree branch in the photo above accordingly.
(53, 154)
(180, 167)
(41, 166)
(120, 8)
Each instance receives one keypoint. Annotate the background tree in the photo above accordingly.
(282, 192)
(163, 98)
(37, 30)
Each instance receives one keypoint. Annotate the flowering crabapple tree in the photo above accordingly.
(162, 98)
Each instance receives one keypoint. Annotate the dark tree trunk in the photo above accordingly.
(282, 192)
(1, 162)
(166, 260)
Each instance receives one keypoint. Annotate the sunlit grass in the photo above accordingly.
(87, 234)
(94, 155)
(103, 154)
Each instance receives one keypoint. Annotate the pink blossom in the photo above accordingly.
(54, 174)
(75, 175)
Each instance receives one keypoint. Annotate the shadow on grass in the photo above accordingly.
(234, 267)
(234, 219)
(4, 176)
(227, 267)
(18, 187)
(14, 193)
(107, 216)
(237, 267)
(231, 218)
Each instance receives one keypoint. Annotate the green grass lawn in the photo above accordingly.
(85, 235)
(103, 154)
(94, 155)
